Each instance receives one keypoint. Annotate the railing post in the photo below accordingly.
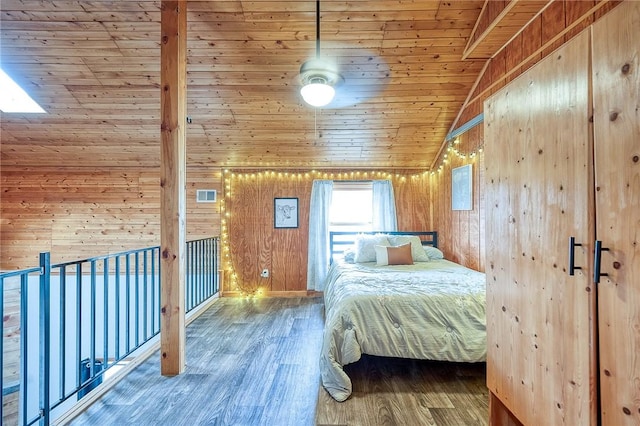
(45, 337)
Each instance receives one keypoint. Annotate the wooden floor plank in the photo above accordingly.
(391, 391)
(256, 362)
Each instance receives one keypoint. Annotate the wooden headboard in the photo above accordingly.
(339, 241)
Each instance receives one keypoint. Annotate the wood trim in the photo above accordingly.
(501, 16)
(534, 55)
(308, 293)
(466, 126)
(464, 106)
(468, 49)
(533, 18)
(594, 359)
(470, 45)
(468, 101)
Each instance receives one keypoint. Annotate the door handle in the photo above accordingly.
(572, 249)
(597, 261)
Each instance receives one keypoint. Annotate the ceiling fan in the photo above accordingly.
(324, 84)
(319, 78)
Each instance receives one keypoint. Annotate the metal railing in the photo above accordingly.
(65, 326)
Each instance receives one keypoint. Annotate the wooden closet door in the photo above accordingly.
(616, 91)
(538, 157)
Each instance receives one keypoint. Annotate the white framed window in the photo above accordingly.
(351, 206)
(206, 195)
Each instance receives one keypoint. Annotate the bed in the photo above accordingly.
(432, 309)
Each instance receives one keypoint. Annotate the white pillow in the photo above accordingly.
(417, 251)
(433, 253)
(364, 246)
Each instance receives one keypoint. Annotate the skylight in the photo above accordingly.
(14, 98)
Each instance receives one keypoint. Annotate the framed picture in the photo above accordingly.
(285, 212)
(461, 188)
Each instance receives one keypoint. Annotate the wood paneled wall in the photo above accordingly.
(463, 232)
(80, 213)
(558, 23)
(254, 244)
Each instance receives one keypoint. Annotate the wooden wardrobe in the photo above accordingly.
(562, 157)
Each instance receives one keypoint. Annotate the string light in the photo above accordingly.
(251, 289)
(453, 151)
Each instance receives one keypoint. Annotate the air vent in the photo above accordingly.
(206, 195)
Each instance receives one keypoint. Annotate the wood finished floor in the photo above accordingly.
(255, 362)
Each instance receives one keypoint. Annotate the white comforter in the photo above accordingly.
(430, 310)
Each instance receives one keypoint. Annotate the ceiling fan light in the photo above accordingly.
(317, 92)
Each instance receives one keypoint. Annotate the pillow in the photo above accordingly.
(364, 244)
(433, 253)
(417, 251)
(349, 255)
(400, 255)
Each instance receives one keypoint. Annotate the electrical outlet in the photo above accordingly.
(264, 273)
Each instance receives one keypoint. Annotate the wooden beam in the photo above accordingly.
(515, 16)
(173, 105)
(525, 62)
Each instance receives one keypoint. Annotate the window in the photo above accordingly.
(351, 206)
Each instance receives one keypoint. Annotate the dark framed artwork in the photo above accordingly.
(285, 212)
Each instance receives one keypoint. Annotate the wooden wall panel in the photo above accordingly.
(606, 8)
(253, 241)
(81, 213)
(514, 57)
(498, 69)
(506, 66)
(413, 203)
(558, 23)
(461, 232)
(538, 317)
(254, 244)
(552, 23)
(531, 41)
(574, 11)
(290, 246)
(203, 219)
(616, 124)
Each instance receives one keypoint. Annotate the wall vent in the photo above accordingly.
(206, 195)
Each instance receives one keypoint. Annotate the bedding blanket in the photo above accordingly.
(429, 310)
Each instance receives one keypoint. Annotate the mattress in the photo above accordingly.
(429, 310)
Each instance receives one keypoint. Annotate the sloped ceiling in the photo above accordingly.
(94, 67)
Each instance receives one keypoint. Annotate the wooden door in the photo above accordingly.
(538, 158)
(616, 91)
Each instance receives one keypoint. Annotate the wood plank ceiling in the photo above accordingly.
(95, 67)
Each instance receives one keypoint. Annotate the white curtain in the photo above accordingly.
(318, 263)
(384, 206)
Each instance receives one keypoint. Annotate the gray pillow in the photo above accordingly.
(433, 253)
(349, 255)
